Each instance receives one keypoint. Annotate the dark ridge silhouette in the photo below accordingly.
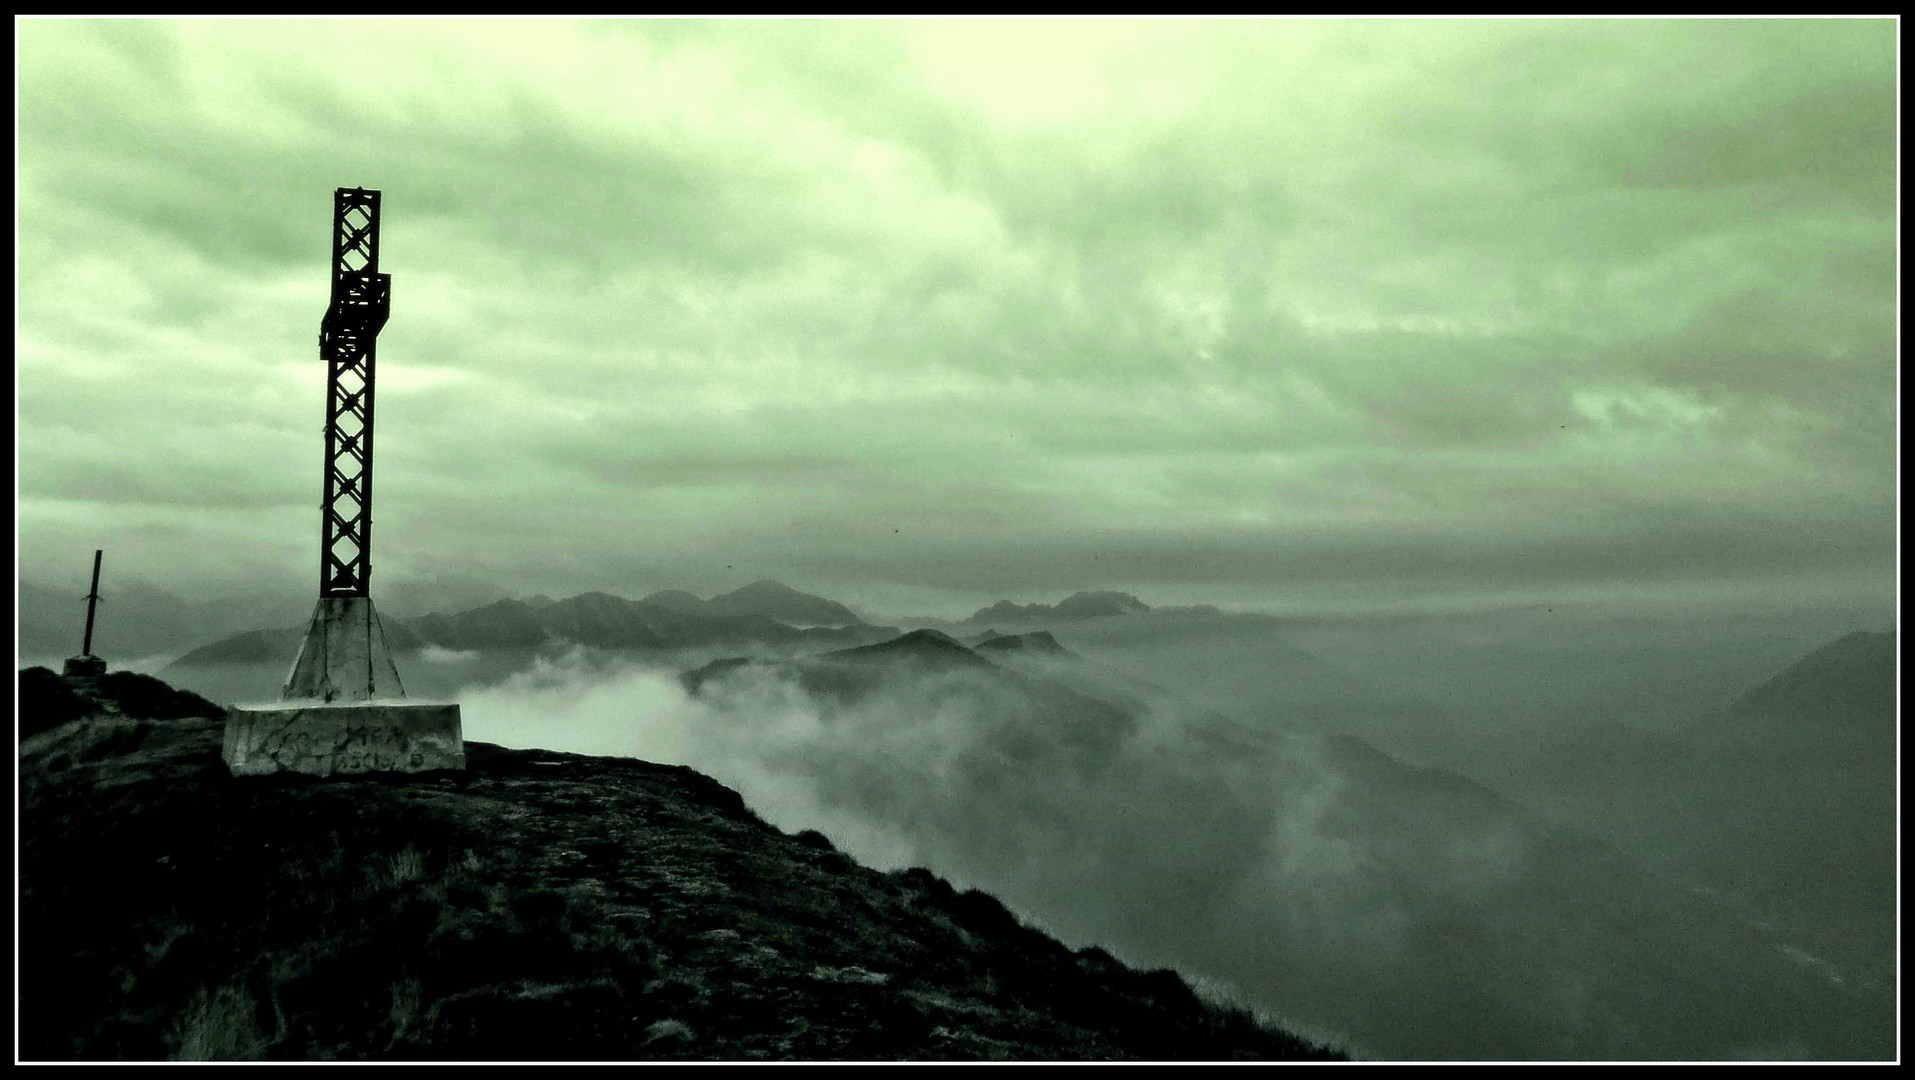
(1039, 710)
(280, 646)
(502, 624)
(930, 646)
(613, 622)
(1090, 605)
(661, 622)
(771, 600)
(1842, 689)
(1005, 611)
(1073, 608)
(534, 906)
(1037, 643)
(676, 600)
(252, 646)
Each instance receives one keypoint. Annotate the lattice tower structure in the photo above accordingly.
(348, 336)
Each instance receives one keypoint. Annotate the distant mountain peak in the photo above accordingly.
(776, 600)
(678, 600)
(766, 586)
(1037, 642)
(1085, 605)
(1847, 682)
(594, 599)
(1073, 608)
(927, 644)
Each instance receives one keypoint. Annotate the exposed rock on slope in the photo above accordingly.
(536, 905)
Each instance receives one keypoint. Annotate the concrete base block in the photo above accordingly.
(321, 740)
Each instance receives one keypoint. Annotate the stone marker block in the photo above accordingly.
(321, 740)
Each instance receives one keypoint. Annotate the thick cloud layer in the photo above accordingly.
(925, 313)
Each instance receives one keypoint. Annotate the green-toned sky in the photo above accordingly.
(923, 313)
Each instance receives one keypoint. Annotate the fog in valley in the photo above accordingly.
(1186, 790)
(1623, 830)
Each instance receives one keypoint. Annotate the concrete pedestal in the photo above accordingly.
(321, 740)
(344, 656)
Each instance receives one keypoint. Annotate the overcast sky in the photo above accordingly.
(922, 314)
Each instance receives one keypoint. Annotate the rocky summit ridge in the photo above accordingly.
(536, 905)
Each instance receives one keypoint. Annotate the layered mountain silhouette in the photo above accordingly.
(932, 647)
(764, 613)
(535, 906)
(1037, 642)
(1416, 912)
(764, 599)
(504, 635)
(1073, 608)
(770, 600)
(933, 663)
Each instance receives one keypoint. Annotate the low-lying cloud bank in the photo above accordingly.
(1408, 912)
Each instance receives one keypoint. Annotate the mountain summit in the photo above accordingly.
(1844, 688)
(771, 600)
(536, 905)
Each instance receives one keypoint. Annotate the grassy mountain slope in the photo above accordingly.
(535, 905)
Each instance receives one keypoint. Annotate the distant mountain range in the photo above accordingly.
(1036, 643)
(764, 613)
(484, 644)
(1416, 911)
(1073, 608)
(770, 600)
(137, 620)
